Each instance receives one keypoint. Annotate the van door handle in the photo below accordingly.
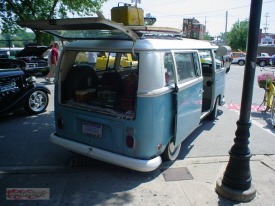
(201, 91)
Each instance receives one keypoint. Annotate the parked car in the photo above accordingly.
(263, 61)
(12, 63)
(107, 59)
(238, 58)
(137, 115)
(273, 60)
(17, 91)
(35, 58)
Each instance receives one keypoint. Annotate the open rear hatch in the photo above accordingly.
(95, 28)
(81, 28)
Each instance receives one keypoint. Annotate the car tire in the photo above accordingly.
(241, 62)
(262, 63)
(171, 152)
(37, 102)
(227, 70)
(214, 113)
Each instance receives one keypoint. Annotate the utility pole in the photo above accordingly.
(205, 22)
(225, 32)
(266, 28)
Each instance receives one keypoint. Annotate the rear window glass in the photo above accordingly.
(103, 82)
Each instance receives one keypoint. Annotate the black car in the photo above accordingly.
(35, 59)
(18, 92)
(12, 63)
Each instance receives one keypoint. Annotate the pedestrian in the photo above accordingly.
(52, 60)
(49, 61)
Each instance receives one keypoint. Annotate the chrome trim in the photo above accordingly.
(189, 83)
(222, 102)
(106, 156)
(155, 93)
(168, 89)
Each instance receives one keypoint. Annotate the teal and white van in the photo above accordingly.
(135, 115)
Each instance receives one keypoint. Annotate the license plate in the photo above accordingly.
(92, 129)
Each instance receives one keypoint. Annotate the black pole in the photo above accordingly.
(237, 175)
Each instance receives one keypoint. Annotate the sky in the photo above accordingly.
(212, 13)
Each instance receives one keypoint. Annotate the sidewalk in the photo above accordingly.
(97, 183)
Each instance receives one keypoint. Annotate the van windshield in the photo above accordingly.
(102, 82)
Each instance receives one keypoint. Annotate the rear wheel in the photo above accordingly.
(171, 152)
(241, 62)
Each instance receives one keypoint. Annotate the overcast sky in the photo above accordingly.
(169, 13)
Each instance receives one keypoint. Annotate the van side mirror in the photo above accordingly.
(223, 50)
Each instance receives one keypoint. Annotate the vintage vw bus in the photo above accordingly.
(137, 115)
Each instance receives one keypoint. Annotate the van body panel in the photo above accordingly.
(111, 138)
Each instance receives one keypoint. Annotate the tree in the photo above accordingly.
(14, 10)
(237, 37)
(17, 40)
(207, 36)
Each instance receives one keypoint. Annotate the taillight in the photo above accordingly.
(60, 123)
(130, 141)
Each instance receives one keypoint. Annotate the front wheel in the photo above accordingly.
(214, 113)
(37, 102)
(171, 152)
(273, 112)
(227, 69)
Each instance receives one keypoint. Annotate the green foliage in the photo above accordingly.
(19, 39)
(11, 11)
(237, 37)
(150, 20)
(207, 36)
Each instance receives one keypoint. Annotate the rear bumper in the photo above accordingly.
(31, 70)
(106, 156)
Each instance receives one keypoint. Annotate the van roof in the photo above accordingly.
(143, 44)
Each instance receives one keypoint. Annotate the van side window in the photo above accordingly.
(184, 63)
(196, 65)
(168, 66)
(218, 61)
(206, 61)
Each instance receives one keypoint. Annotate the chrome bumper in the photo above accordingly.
(103, 155)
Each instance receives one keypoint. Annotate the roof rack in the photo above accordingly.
(156, 32)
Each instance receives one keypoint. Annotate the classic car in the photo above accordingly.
(35, 58)
(17, 91)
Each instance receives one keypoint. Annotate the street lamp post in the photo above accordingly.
(236, 183)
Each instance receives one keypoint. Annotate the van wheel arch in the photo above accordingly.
(171, 152)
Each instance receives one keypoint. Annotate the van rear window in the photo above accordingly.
(102, 82)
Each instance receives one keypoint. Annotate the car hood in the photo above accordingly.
(32, 51)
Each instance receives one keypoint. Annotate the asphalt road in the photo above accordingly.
(24, 139)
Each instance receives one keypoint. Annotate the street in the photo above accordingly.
(24, 146)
